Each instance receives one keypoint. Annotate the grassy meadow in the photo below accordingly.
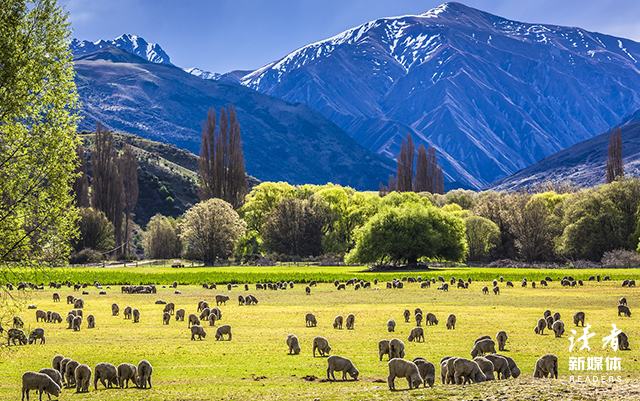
(256, 364)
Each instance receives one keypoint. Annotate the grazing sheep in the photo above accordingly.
(322, 345)
(623, 341)
(337, 322)
(622, 301)
(340, 364)
(485, 346)
(425, 284)
(418, 318)
(343, 287)
(451, 322)
(524, 282)
(204, 315)
(547, 365)
(558, 328)
(466, 371)
(39, 382)
(444, 287)
(407, 315)
(115, 310)
(78, 312)
(396, 348)
(197, 330)
(202, 305)
(383, 348)
(91, 322)
(180, 314)
(623, 309)
(56, 362)
(533, 284)
(509, 284)
(144, 373)
(496, 289)
(495, 282)
(556, 316)
(107, 373)
(55, 318)
(127, 312)
(417, 310)
(70, 299)
(485, 290)
(16, 334)
(550, 322)
(212, 319)
(310, 320)
(427, 371)
(218, 312)
(307, 290)
(513, 367)
(350, 321)
(547, 313)
(40, 314)
(193, 319)
(502, 339)
(399, 367)
(126, 372)
(136, 315)
(78, 303)
(166, 318)
(226, 329)
(53, 374)
(56, 297)
(174, 285)
(221, 299)
(391, 325)
(578, 317)
(500, 365)
(293, 344)
(486, 366)
(431, 319)
(240, 300)
(77, 321)
(485, 337)
(447, 369)
(17, 322)
(70, 373)
(540, 326)
(416, 334)
(35, 335)
(63, 366)
(169, 308)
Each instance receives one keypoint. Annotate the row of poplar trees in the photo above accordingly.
(114, 186)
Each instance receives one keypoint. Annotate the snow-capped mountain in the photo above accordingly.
(491, 95)
(131, 43)
(203, 74)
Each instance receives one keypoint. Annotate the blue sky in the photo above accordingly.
(225, 35)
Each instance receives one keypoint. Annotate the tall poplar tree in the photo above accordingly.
(129, 169)
(615, 167)
(404, 173)
(81, 184)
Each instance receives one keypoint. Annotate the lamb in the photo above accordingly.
(56, 362)
(431, 319)
(293, 344)
(127, 312)
(40, 314)
(310, 320)
(144, 373)
(391, 325)
(396, 348)
(115, 310)
(407, 315)
(496, 289)
(53, 374)
(340, 364)
(39, 382)
(558, 328)
(107, 373)
(69, 372)
(77, 321)
(383, 348)
(197, 330)
(221, 299)
(166, 318)
(540, 326)
(193, 319)
(501, 337)
(623, 341)
(547, 365)
(126, 372)
(483, 347)
(622, 301)
(180, 315)
(466, 371)
(399, 367)
(136, 315)
(427, 371)
(350, 321)
(623, 309)
(35, 335)
(416, 334)
(225, 329)
(451, 322)
(337, 322)
(169, 308)
(500, 365)
(322, 345)
(91, 322)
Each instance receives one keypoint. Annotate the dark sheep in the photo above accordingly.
(547, 365)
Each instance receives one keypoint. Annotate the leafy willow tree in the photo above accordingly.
(409, 233)
(211, 230)
(38, 106)
(162, 238)
(483, 236)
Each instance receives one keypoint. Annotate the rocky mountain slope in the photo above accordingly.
(131, 43)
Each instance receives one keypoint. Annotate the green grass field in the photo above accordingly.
(255, 363)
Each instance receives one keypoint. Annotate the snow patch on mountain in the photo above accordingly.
(131, 43)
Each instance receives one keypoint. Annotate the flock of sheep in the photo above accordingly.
(456, 370)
